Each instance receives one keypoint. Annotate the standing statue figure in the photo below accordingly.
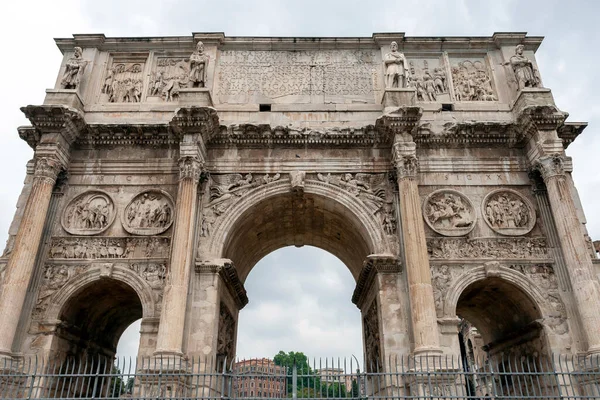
(198, 67)
(525, 73)
(396, 68)
(73, 70)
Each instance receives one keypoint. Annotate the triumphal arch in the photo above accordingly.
(165, 168)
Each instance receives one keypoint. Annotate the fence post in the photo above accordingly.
(294, 381)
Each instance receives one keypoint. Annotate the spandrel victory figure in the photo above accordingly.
(396, 68)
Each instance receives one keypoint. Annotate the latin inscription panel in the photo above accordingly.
(331, 76)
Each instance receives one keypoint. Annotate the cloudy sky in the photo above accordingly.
(300, 298)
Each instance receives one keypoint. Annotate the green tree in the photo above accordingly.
(308, 383)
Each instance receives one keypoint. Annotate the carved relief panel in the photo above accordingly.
(508, 213)
(430, 79)
(113, 247)
(169, 76)
(226, 335)
(449, 213)
(89, 213)
(298, 76)
(124, 79)
(472, 79)
(372, 338)
(149, 213)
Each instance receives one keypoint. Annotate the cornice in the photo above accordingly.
(228, 273)
(374, 264)
(440, 43)
(402, 120)
(570, 131)
(203, 121)
(263, 135)
(49, 119)
(128, 134)
(29, 134)
(469, 134)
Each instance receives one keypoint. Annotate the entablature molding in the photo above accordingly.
(226, 270)
(374, 264)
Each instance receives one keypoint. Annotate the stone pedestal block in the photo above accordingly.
(64, 97)
(196, 97)
(399, 97)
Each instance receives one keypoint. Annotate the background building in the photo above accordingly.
(259, 377)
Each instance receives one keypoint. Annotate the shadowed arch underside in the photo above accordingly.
(94, 318)
(288, 219)
(503, 314)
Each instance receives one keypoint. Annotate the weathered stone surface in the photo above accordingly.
(175, 164)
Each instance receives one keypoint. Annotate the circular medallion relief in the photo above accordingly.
(89, 213)
(449, 213)
(149, 213)
(508, 213)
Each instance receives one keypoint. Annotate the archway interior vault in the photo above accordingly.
(95, 317)
(499, 310)
(290, 219)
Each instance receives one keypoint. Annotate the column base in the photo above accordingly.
(427, 351)
(594, 350)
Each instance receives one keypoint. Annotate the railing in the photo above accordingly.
(425, 377)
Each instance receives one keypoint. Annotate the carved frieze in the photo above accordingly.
(149, 213)
(508, 213)
(372, 338)
(488, 248)
(281, 75)
(429, 78)
(89, 213)
(472, 81)
(449, 213)
(123, 82)
(226, 335)
(114, 247)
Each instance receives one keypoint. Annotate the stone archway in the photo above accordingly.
(277, 214)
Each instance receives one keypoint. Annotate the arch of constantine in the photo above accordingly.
(165, 168)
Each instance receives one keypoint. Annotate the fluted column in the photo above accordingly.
(172, 318)
(422, 304)
(19, 269)
(574, 248)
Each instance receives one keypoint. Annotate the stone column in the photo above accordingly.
(19, 269)
(194, 126)
(172, 318)
(422, 303)
(55, 129)
(574, 248)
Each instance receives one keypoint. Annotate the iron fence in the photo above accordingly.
(424, 377)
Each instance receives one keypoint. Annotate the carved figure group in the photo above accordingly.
(448, 211)
(170, 77)
(198, 67)
(525, 72)
(89, 213)
(472, 82)
(429, 85)
(74, 69)
(123, 83)
(155, 274)
(396, 68)
(505, 210)
(149, 210)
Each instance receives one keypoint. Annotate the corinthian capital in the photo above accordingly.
(404, 159)
(550, 166)
(190, 168)
(47, 168)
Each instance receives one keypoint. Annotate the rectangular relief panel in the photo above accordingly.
(306, 76)
(429, 76)
(124, 78)
(472, 78)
